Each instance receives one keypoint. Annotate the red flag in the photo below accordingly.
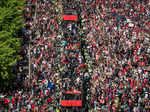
(24, 110)
(48, 92)
(144, 71)
(43, 108)
(32, 106)
(34, 1)
(132, 83)
(49, 100)
(78, 70)
(13, 101)
(21, 110)
(114, 10)
(127, 68)
(144, 81)
(106, 98)
(96, 2)
(121, 84)
(137, 34)
(5, 101)
(123, 71)
(41, 94)
(16, 96)
(98, 52)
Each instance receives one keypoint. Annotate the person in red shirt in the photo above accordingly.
(32, 107)
(49, 100)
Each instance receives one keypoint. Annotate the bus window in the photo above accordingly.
(71, 97)
(70, 13)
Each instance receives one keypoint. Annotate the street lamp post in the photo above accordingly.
(29, 50)
(30, 39)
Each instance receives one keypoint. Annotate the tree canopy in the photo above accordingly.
(10, 44)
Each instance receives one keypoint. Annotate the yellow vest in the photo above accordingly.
(57, 110)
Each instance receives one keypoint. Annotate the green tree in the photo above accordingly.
(10, 44)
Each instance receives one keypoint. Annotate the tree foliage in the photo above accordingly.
(10, 44)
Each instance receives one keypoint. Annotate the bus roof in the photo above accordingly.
(69, 10)
(72, 92)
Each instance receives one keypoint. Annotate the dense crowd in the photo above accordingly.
(41, 31)
(118, 43)
(115, 55)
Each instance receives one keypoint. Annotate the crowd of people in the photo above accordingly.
(115, 55)
(118, 43)
(40, 84)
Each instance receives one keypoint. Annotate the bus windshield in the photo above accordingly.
(67, 12)
(71, 97)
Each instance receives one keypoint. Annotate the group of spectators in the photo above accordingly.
(115, 55)
(118, 42)
(37, 94)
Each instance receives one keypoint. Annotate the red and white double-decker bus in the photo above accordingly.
(71, 99)
(70, 15)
